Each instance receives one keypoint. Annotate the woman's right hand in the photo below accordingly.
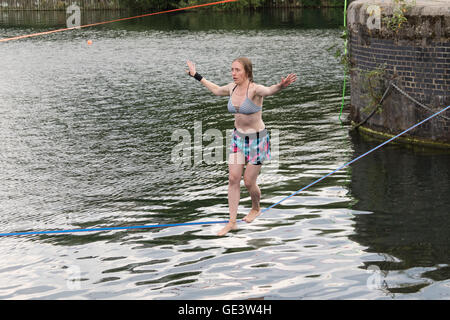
(191, 67)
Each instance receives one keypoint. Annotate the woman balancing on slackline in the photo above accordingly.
(250, 140)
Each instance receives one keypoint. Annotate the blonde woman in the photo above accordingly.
(250, 142)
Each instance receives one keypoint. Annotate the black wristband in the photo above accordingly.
(198, 76)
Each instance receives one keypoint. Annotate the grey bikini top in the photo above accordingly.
(247, 107)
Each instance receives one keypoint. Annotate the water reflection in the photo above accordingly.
(189, 20)
(402, 195)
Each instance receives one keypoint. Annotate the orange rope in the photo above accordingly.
(105, 22)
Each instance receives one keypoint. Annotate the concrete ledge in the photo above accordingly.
(405, 139)
(357, 15)
(421, 7)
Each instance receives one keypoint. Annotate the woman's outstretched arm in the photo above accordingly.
(268, 91)
(214, 88)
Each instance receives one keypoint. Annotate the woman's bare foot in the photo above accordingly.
(252, 215)
(230, 226)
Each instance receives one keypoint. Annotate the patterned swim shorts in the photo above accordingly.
(254, 146)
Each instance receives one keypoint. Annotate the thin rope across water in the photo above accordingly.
(111, 21)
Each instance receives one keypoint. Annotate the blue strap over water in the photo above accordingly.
(222, 221)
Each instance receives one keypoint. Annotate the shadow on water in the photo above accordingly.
(406, 192)
(189, 20)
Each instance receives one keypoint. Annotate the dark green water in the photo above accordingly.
(86, 132)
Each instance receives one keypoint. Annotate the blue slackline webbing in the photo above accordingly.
(225, 221)
(108, 228)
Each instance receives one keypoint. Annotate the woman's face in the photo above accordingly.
(238, 72)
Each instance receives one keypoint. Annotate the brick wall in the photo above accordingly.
(420, 65)
(424, 72)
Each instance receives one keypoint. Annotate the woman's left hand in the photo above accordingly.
(191, 67)
(292, 77)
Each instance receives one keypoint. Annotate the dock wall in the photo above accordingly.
(415, 57)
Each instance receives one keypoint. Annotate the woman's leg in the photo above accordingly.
(250, 176)
(235, 168)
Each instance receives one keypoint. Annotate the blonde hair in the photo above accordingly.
(248, 67)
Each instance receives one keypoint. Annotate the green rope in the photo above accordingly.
(345, 54)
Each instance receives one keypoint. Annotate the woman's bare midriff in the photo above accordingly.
(249, 123)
